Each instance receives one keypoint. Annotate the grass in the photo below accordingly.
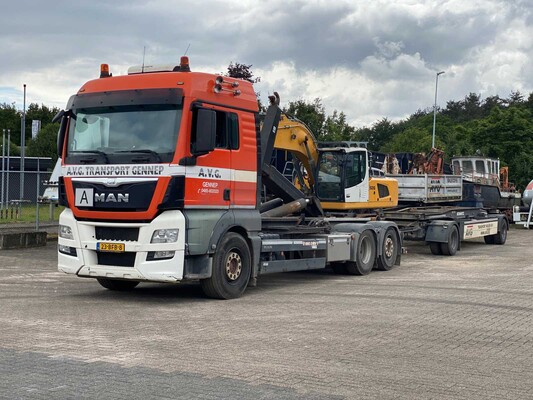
(28, 213)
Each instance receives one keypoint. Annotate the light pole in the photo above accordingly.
(435, 108)
(23, 146)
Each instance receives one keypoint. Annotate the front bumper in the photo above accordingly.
(85, 262)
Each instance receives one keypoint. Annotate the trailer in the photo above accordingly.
(445, 227)
(428, 188)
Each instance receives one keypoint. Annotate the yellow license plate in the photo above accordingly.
(111, 247)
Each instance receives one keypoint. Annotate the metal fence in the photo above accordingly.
(26, 207)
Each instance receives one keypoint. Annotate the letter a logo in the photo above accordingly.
(84, 198)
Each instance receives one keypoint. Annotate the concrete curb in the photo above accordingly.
(17, 240)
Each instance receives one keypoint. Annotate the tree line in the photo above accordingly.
(493, 127)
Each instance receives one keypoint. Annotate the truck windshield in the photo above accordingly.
(123, 134)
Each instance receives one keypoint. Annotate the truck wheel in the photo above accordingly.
(389, 250)
(339, 268)
(489, 239)
(365, 256)
(435, 248)
(116, 284)
(501, 236)
(452, 245)
(231, 269)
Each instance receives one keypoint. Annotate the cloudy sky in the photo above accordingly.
(368, 58)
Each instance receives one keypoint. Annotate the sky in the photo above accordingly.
(371, 59)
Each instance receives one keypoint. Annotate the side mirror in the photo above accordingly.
(62, 131)
(206, 128)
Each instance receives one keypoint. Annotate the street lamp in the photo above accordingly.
(435, 108)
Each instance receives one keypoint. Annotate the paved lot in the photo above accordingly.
(435, 328)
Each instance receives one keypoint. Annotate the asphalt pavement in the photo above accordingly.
(433, 328)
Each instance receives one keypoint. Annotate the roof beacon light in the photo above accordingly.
(219, 81)
(104, 71)
(184, 64)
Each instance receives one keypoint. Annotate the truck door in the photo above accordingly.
(208, 183)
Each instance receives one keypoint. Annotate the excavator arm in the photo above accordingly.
(295, 137)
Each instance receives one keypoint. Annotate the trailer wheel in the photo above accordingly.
(435, 248)
(500, 237)
(365, 256)
(116, 284)
(389, 250)
(489, 239)
(231, 269)
(450, 247)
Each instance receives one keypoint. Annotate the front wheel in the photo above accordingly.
(365, 256)
(116, 284)
(231, 269)
(389, 250)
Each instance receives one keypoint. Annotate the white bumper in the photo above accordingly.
(86, 261)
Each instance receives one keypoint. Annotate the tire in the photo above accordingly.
(116, 284)
(365, 256)
(501, 236)
(435, 248)
(450, 247)
(389, 250)
(339, 268)
(231, 269)
(489, 239)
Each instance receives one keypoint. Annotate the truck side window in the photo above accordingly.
(227, 131)
(227, 134)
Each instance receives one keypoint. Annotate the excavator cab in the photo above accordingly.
(342, 175)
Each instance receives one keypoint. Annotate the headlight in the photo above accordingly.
(65, 232)
(165, 236)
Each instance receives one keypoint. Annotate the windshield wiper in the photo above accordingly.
(101, 153)
(144, 151)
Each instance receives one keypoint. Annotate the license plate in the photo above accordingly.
(110, 247)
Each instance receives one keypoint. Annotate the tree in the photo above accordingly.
(336, 128)
(242, 71)
(10, 119)
(312, 114)
(381, 134)
(413, 140)
(45, 144)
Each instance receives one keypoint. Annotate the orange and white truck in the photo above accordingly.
(164, 175)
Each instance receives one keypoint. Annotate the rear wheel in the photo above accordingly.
(489, 239)
(435, 248)
(231, 269)
(389, 250)
(450, 247)
(339, 268)
(501, 236)
(365, 256)
(116, 284)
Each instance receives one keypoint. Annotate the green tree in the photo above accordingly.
(45, 144)
(413, 140)
(312, 113)
(336, 128)
(244, 71)
(10, 119)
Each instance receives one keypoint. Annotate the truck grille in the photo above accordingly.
(123, 234)
(117, 259)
